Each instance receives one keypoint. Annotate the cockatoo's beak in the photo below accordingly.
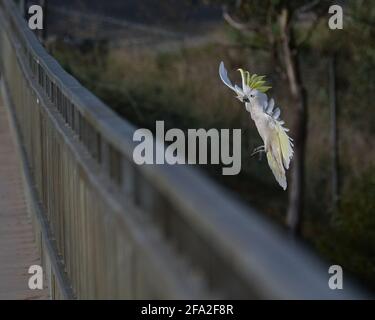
(243, 98)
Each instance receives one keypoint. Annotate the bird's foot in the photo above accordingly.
(259, 149)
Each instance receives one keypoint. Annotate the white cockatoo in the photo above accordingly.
(278, 145)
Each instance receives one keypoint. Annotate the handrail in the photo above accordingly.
(127, 231)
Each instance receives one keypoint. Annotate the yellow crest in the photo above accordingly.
(254, 81)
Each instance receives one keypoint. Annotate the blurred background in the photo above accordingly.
(158, 60)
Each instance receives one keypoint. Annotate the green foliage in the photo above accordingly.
(350, 239)
(260, 18)
(357, 218)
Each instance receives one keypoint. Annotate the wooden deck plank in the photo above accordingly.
(17, 244)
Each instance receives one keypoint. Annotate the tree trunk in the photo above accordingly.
(334, 137)
(23, 5)
(298, 93)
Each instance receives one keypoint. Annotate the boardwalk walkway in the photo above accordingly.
(18, 250)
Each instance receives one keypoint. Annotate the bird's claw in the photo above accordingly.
(258, 150)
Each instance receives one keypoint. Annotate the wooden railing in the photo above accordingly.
(107, 228)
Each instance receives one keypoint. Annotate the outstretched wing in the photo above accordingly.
(280, 150)
(286, 145)
(280, 153)
(224, 77)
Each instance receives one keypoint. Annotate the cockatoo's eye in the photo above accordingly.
(252, 96)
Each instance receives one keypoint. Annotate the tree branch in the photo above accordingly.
(241, 26)
(288, 60)
(307, 7)
(311, 29)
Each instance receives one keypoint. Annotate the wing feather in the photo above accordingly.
(277, 168)
(276, 114)
(286, 145)
(224, 77)
(280, 151)
(285, 142)
(270, 106)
